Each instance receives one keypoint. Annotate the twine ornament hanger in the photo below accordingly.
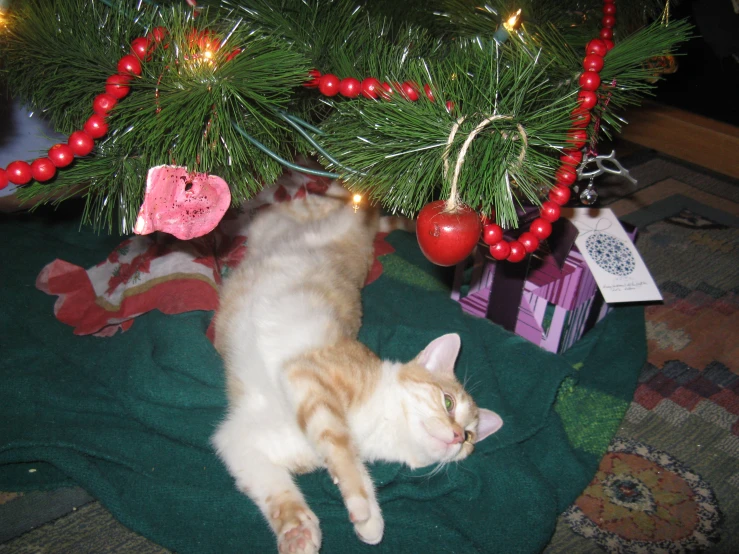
(453, 201)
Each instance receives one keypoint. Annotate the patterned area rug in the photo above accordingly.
(669, 482)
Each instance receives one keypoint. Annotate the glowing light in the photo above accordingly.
(503, 32)
(357, 198)
(510, 25)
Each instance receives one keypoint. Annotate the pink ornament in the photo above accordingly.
(183, 204)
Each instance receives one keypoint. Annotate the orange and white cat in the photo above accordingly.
(305, 394)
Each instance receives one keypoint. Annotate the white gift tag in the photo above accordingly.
(618, 268)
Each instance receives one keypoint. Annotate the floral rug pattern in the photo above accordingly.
(669, 482)
(643, 500)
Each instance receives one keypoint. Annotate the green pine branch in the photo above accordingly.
(56, 55)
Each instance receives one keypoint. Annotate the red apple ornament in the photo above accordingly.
(183, 204)
(447, 237)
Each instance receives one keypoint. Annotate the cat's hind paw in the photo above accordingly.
(302, 537)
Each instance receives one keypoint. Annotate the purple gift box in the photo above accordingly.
(552, 301)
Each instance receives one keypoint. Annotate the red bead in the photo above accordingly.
(429, 92)
(117, 86)
(142, 48)
(589, 80)
(370, 88)
(329, 85)
(315, 78)
(61, 155)
(500, 250)
(565, 175)
(609, 9)
(492, 233)
(580, 117)
(449, 106)
(232, 54)
(350, 87)
(560, 195)
(96, 126)
(387, 91)
(550, 211)
(577, 137)
(608, 21)
(158, 34)
(3, 179)
(43, 169)
(587, 98)
(129, 64)
(606, 34)
(19, 172)
(592, 62)
(409, 91)
(597, 47)
(517, 253)
(609, 44)
(529, 241)
(103, 103)
(571, 158)
(541, 228)
(81, 143)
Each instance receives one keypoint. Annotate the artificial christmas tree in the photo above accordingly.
(487, 108)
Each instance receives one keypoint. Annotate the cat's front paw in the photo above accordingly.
(300, 536)
(370, 528)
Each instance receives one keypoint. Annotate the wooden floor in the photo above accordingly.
(690, 137)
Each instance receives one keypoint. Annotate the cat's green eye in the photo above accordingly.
(448, 402)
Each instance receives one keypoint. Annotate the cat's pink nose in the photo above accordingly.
(458, 436)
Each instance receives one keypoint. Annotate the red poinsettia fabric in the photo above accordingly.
(160, 272)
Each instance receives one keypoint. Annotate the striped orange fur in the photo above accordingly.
(304, 393)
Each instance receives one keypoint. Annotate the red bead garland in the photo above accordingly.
(82, 142)
(117, 86)
(566, 174)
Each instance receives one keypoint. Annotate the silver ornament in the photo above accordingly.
(589, 196)
(605, 164)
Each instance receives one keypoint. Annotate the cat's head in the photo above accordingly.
(444, 421)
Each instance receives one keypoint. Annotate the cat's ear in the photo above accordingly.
(441, 353)
(489, 423)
